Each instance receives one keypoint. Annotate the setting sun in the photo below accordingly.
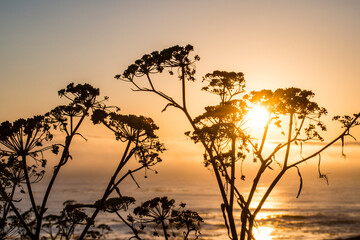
(257, 117)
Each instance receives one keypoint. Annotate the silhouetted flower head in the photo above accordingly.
(60, 114)
(155, 210)
(147, 153)
(138, 130)
(23, 136)
(289, 100)
(225, 84)
(98, 116)
(71, 216)
(293, 101)
(155, 62)
(347, 120)
(12, 172)
(220, 122)
(83, 101)
(162, 211)
(186, 218)
(81, 94)
(117, 203)
(126, 127)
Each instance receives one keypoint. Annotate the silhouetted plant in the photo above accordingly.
(141, 142)
(138, 133)
(63, 226)
(23, 144)
(188, 219)
(50, 226)
(21, 154)
(160, 211)
(222, 132)
(22, 162)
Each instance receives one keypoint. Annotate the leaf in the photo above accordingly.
(301, 182)
(225, 219)
(270, 167)
(134, 179)
(55, 149)
(324, 176)
(301, 149)
(342, 146)
(352, 136)
(43, 163)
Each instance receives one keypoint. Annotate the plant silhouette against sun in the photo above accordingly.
(138, 133)
(223, 133)
(23, 145)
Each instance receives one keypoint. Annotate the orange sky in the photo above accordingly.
(45, 45)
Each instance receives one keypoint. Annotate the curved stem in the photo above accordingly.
(64, 158)
(267, 193)
(6, 206)
(18, 215)
(344, 133)
(29, 188)
(130, 226)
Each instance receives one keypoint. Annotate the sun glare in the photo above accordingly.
(257, 117)
(263, 233)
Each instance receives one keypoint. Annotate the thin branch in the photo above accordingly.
(289, 140)
(28, 185)
(344, 133)
(18, 215)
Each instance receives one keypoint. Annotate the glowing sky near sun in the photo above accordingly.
(45, 45)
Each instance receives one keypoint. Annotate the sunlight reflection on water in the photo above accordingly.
(263, 233)
(321, 212)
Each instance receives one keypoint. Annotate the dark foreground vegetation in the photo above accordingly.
(227, 143)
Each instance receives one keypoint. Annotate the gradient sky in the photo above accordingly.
(45, 45)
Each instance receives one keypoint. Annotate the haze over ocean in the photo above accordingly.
(321, 212)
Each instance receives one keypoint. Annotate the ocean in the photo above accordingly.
(322, 211)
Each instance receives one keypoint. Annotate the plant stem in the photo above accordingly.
(164, 230)
(64, 158)
(289, 140)
(28, 185)
(130, 226)
(232, 180)
(18, 215)
(107, 192)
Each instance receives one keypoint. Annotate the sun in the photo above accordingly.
(257, 117)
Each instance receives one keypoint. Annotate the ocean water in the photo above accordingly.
(322, 211)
